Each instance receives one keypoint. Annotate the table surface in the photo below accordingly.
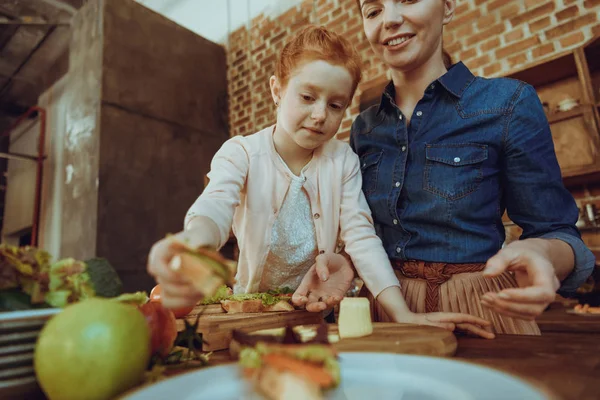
(565, 364)
(556, 319)
(564, 361)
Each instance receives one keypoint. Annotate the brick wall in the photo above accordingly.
(492, 37)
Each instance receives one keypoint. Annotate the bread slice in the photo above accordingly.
(243, 306)
(201, 275)
(284, 385)
(254, 306)
(282, 305)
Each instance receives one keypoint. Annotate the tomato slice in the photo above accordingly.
(312, 372)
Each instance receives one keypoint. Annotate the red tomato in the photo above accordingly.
(155, 295)
(163, 327)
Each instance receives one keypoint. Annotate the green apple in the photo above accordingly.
(93, 350)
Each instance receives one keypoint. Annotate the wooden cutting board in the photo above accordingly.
(393, 338)
(216, 325)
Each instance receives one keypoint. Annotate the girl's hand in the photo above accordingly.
(177, 290)
(325, 283)
(451, 321)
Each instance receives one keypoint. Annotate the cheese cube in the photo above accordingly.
(355, 317)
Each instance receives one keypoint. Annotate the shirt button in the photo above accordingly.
(403, 148)
(317, 216)
(395, 222)
(419, 113)
(456, 159)
(400, 117)
(397, 184)
(398, 249)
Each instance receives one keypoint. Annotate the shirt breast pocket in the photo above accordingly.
(369, 168)
(453, 171)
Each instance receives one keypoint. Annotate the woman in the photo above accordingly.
(442, 156)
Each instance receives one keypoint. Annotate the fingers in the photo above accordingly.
(497, 264)
(159, 258)
(530, 294)
(178, 301)
(476, 330)
(333, 301)
(175, 289)
(444, 325)
(465, 322)
(520, 310)
(458, 318)
(175, 295)
(315, 303)
(299, 300)
(300, 296)
(317, 306)
(322, 267)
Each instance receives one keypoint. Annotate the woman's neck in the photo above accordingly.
(293, 155)
(410, 85)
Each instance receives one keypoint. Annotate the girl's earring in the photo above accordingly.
(277, 103)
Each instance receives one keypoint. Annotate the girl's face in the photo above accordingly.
(312, 104)
(406, 34)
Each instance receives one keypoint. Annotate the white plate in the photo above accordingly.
(25, 320)
(364, 375)
(41, 313)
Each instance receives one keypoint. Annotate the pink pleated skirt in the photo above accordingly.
(460, 293)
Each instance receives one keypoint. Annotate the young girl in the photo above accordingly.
(450, 152)
(291, 191)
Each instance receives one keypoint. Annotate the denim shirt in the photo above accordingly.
(474, 147)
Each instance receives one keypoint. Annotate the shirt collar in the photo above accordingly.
(455, 81)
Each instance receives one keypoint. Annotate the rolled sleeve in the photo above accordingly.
(536, 198)
(584, 262)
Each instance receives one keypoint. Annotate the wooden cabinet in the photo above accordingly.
(569, 87)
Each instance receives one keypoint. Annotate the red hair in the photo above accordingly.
(314, 43)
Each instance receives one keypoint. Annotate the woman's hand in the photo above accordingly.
(534, 272)
(325, 283)
(451, 321)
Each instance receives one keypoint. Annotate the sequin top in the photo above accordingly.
(293, 242)
(247, 187)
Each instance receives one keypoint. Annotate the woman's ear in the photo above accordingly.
(275, 89)
(449, 7)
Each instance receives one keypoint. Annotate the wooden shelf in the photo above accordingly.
(562, 115)
(587, 228)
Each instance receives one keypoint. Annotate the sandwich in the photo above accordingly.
(270, 301)
(206, 268)
(284, 367)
